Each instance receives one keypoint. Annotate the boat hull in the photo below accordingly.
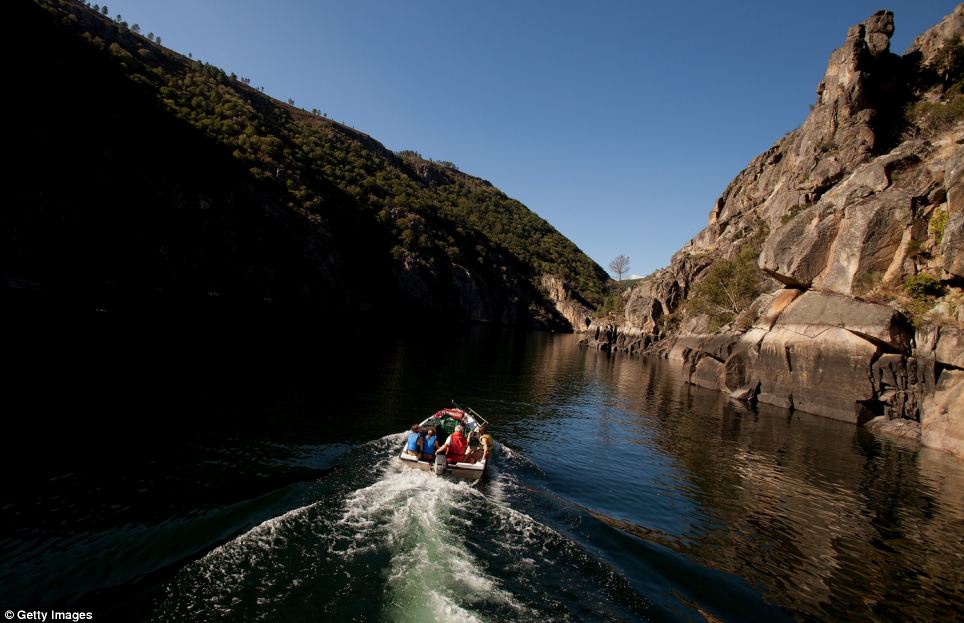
(458, 471)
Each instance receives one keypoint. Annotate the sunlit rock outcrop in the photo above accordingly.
(853, 214)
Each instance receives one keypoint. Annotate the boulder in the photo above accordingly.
(869, 236)
(950, 347)
(942, 417)
(889, 371)
(643, 311)
(658, 295)
(716, 345)
(740, 377)
(857, 228)
(781, 299)
(708, 373)
(797, 253)
(821, 370)
(952, 244)
(814, 312)
(900, 429)
(899, 385)
(819, 356)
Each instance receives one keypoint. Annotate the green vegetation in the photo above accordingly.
(921, 290)
(474, 204)
(613, 303)
(947, 72)
(933, 117)
(727, 288)
(938, 224)
(923, 287)
(418, 212)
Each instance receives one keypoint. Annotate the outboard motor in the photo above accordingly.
(440, 464)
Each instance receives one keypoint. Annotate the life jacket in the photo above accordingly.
(457, 447)
(428, 447)
(412, 445)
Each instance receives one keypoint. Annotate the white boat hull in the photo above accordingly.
(461, 471)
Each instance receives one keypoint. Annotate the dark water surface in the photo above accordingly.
(175, 471)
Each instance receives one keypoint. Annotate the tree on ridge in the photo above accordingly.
(620, 265)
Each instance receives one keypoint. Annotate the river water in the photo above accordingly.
(162, 471)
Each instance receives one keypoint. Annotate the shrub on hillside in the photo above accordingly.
(727, 288)
(938, 224)
(923, 286)
(612, 304)
(933, 117)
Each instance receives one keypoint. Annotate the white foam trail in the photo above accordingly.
(266, 563)
(416, 522)
(423, 521)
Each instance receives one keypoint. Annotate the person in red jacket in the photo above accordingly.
(455, 446)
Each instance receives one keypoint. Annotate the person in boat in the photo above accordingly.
(429, 445)
(455, 446)
(414, 443)
(484, 445)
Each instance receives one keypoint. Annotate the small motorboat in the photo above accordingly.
(444, 422)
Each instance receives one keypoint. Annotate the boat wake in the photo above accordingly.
(425, 525)
(383, 542)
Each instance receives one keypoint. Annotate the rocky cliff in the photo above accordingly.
(855, 222)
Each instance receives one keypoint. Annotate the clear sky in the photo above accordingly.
(618, 122)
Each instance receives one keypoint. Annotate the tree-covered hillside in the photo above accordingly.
(143, 173)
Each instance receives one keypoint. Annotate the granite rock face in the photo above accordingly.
(952, 245)
(843, 206)
(942, 424)
(858, 229)
(810, 351)
(928, 45)
(567, 302)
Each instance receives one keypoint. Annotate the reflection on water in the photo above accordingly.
(834, 523)
(266, 487)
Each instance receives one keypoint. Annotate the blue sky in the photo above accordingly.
(618, 122)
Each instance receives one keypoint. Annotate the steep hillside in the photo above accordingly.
(143, 177)
(829, 276)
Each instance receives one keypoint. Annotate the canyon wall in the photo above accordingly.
(856, 223)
